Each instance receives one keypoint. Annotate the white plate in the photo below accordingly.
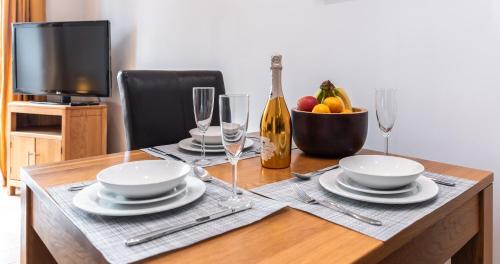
(186, 145)
(349, 183)
(145, 178)
(381, 172)
(88, 201)
(111, 197)
(197, 144)
(426, 190)
(212, 136)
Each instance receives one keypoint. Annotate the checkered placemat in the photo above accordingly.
(394, 217)
(108, 234)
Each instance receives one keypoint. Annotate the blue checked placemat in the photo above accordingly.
(394, 217)
(108, 234)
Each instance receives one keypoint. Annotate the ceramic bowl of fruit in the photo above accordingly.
(326, 125)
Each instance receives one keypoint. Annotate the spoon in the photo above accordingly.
(203, 175)
(309, 175)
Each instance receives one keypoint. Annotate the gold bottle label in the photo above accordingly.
(267, 148)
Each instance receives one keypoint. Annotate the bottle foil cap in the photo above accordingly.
(276, 62)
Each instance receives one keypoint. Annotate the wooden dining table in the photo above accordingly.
(461, 229)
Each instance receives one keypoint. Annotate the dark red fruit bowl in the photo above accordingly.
(330, 135)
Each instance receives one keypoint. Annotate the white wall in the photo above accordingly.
(443, 55)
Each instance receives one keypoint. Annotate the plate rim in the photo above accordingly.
(81, 200)
(372, 191)
(211, 146)
(378, 200)
(180, 145)
(101, 194)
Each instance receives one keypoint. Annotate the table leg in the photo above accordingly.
(480, 248)
(33, 250)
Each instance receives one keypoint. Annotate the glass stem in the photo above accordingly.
(386, 144)
(234, 166)
(203, 146)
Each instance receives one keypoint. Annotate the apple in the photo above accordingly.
(307, 103)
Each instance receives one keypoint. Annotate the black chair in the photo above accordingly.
(158, 105)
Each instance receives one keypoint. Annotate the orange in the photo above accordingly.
(321, 108)
(347, 111)
(335, 104)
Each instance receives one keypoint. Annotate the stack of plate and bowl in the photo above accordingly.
(140, 187)
(380, 179)
(213, 141)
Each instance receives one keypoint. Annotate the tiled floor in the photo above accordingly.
(10, 219)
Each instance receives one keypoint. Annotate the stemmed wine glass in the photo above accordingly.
(386, 108)
(203, 104)
(233, 111)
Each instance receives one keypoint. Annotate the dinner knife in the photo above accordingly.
(161, 152)
(173, 229)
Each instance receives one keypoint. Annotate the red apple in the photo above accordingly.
(307, 103)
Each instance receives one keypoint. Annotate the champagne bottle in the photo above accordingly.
(276, 125)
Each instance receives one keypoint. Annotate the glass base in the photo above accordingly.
(235, 202)
(202, 162)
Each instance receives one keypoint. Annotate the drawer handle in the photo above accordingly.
(29, 157)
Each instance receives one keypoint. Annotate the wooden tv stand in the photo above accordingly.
(42, 133)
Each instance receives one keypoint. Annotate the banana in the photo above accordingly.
(341, 92)
(327, 89)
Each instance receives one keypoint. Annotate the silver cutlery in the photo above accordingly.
(247, 153)
(446, 183)
(161, 152)
(254, 137)
(203, 175)
(304, 197)
(136, 240)
(250, 152)
(78, 187)
(307, 176)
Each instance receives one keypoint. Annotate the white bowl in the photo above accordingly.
(381, 172)
(142, 179)
(213, 135)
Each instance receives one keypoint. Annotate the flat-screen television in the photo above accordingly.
(63, 58)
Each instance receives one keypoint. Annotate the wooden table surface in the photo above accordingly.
(461, 229)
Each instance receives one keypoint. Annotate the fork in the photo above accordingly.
(446, 183)
(304, 197)
(79, 187)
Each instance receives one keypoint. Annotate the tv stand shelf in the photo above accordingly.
(43, 133)
(53, 132)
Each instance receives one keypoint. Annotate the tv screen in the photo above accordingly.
(67, 58)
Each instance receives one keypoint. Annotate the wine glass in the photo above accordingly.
(203, 104)
(233, 111)
(386, 108)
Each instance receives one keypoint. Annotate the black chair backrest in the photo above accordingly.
(158, 105)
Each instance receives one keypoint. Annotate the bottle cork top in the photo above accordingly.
(276, 62)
